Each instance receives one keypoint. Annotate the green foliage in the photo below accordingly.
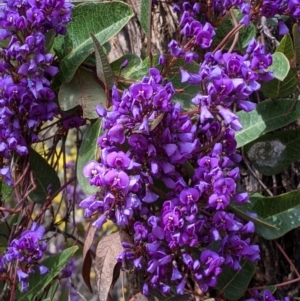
(45, 177)
(281, 211)
(268, 116)
(6, 190)
(146, 6)
(286, 47)
(83, 90)
(280, 66)
(234, 283)
(276, 88)
(88, 151)
(55, 264)
(246, 34)
(104, 20)
(273, 153)
(104, 71)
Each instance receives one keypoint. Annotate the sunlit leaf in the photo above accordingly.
(104, 20)
(268, 116)
(88, 151)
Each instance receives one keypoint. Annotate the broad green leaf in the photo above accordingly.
(276, 88)
(283, 211)
(133, 62)
(83, 90)
(45, 178)
(104, 71)
(55, 264)
(296, 38)
(273, 153)
(185, 91)
(286, 47)
(47, 299)
(139, 71)
(280, 66)
(247, 217)
(88, 151)
(268, 116)
(104, 20)
(234, 283)
(246, 34)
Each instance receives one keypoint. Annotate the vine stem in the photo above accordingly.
(236, 35)
(228, 36)
(277, 285)
(287, 259)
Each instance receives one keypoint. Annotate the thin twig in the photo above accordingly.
(287, 259)
(277, 285)
(236, 35)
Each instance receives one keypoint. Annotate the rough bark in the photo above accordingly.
(132, 39)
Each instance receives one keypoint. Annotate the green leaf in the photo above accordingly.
(286, 46)
(6, 190)
(55, 264)
(104, 20)
(104, 71)
(246, 34)
(234, 283)
(88, 151)
(133, 62)
(146, 6)
(282, 211)
(268, 116)
(83, 90)
(49, 36)
(247, 217)
(296, 38)
(45, 177)
(53, 289)
(273, 153)
(188, 91)
(280, 66)
(276, 88)
(139, 71)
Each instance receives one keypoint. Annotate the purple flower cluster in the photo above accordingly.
(228, 79)
(25, 254)
(26, 69)
(169, 178)
(265, 295)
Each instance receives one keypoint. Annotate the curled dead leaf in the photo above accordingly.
(106, 266)
(87, 256)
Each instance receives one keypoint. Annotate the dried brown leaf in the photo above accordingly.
(87, 257)
(106, 266)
